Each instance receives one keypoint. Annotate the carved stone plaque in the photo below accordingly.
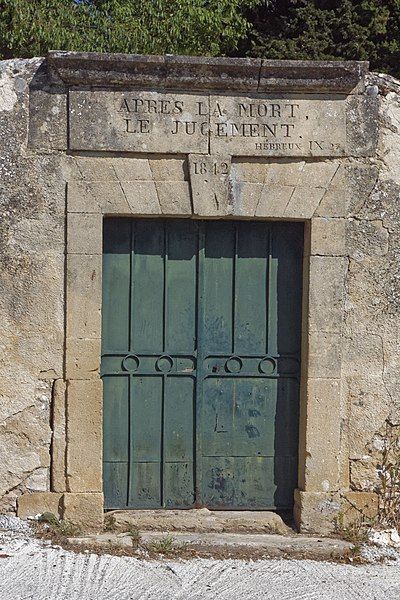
(193, 123)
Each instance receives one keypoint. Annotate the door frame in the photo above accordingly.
(321, 473)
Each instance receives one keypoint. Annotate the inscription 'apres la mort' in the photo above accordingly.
(273, 119)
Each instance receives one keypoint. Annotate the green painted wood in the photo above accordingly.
(201, 363)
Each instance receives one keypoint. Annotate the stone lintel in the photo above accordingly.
(205, 73)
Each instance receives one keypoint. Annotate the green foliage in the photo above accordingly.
(282, 29)
(328, 30)
(63, 528)
(164, 545)
(31, 28)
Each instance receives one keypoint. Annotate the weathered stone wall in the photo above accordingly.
(354, 204)
(371, 363)
(32, 200)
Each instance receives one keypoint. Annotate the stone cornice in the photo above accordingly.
(206, 74)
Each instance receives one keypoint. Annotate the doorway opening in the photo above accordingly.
(201, 342)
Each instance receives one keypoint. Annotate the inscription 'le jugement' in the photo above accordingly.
(138, 114)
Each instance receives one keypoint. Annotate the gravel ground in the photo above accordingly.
(30, 570)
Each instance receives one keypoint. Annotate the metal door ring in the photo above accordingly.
(234, 364)
(130, 363)
(164, 363)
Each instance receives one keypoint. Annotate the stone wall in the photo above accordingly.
(371, 341)
(354, 204)
(32, 197)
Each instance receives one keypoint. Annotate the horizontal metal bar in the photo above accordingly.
(124, 353)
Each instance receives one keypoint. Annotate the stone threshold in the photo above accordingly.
(198, 520)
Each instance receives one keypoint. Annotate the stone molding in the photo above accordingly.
(204, 73)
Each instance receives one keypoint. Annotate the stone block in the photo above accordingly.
(47, 118)
(250, 171)
(286, 172)
(363, 355)
(87, 196)
(318, 174)
(246, 198)
(82, 358)
(84, 435)
(324, 355)
(84, 510)
(31, 505)
(96, 197)
(316, 512)
(326, 293)
(303, 202)
(211, 185)
(369, 405)
(273, 200)
(333, 203)
(58, 440)
(321, 421)
(108, 169)
(131, 169)
(84, 296)
(142, 197)
(364, 474)
(168, 169)
(360, 507)
(84, 233)
(328, 237)
(174, 197)
(362, 123)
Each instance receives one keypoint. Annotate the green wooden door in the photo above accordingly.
(201, 363)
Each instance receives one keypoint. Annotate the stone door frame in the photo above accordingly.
(88, 202)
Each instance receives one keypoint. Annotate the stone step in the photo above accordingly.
(200, 520)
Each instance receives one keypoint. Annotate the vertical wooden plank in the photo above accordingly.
(178, 442)
(255, 414)
(116, 286)
(218, 285)
(181, 285)
(145, 418)
(116, 418)
(200, 351)
(217, 417)
(251, 288)
(148, 286)
(178, 486)
(115, 475)
(116, 440)
(287, 250)
(178, 416)
(145, 441)
(145, 489)
(272, 295)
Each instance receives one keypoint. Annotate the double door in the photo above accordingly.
(201, 363)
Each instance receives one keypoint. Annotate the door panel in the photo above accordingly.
(200, 363)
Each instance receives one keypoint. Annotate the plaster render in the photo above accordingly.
(55, 190)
